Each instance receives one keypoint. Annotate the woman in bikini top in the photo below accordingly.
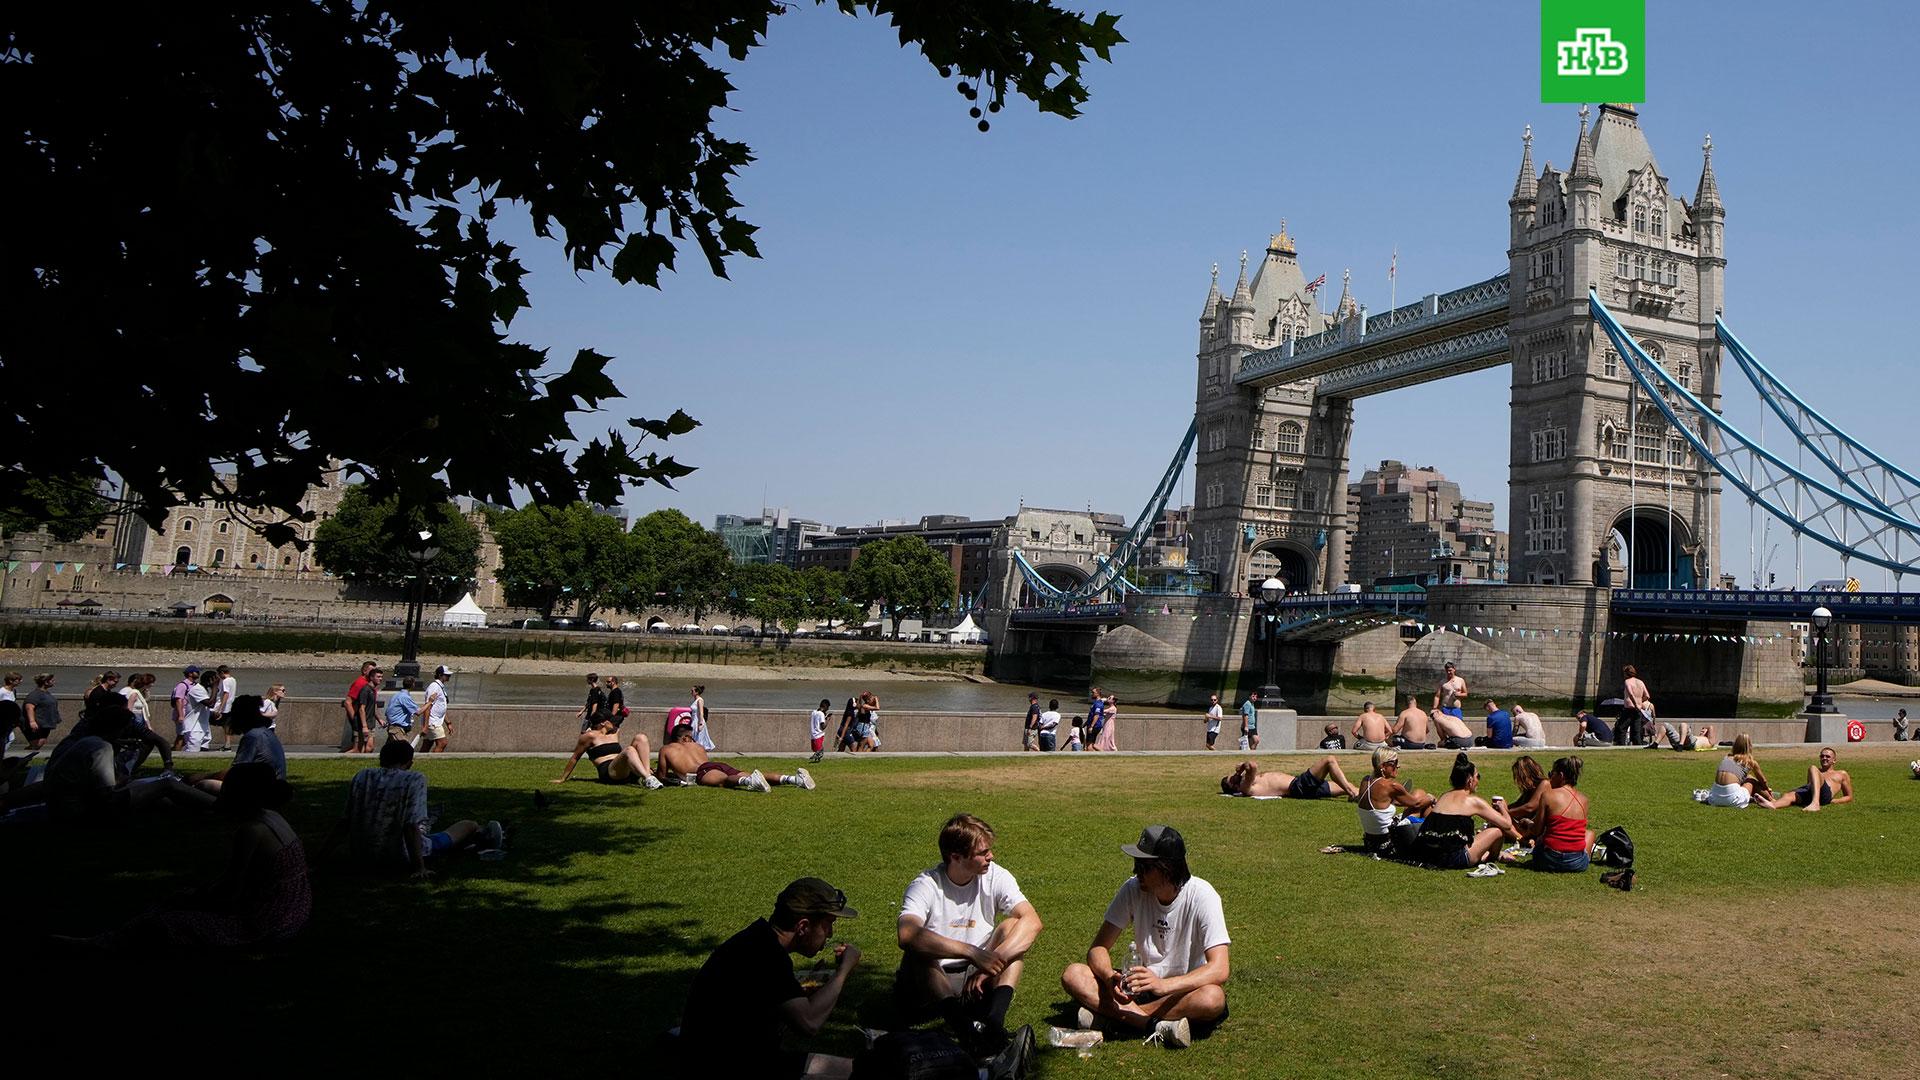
(614, 763)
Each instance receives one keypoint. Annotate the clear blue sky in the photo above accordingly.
(950, 322)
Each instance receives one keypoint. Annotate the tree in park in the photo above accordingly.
(67, 508)
(688, 566)
(571, 558)
(767, 592)
(369, 541)
(273, 228)
(904, 576)
(824, 597)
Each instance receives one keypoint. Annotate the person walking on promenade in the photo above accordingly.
(1030, 732)
(699, 708)
(596, 704)
(817, 730)
(1250, 722)
(223, 695)
(1215, 714)
(433, 733)
(8, 685)
(136, 694)
(1096, 713)
(370, 707)
(1050, 726)
(359, 732)
(40, 712)
(1109, 716)
(1636, 716)
(616, 702)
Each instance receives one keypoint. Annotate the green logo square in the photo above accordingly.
(1593, 50)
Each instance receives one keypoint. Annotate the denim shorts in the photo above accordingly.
(1559, 862)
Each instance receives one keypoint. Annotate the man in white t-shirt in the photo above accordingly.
(223, 704)
(199, 737)
(434, 732)
(1174, 980)
(1215, 714)
(964, 932)
(817, 729)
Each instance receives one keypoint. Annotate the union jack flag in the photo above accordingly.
(1316, 282)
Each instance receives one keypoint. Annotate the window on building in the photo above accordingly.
(186, 524)
(1308, 500)
(1262, 495)
(1639, 219)
(1319, 444)
(1676, 450)
(1259, 436)
(1286, 489)
(1659, 223)
(1289, 440)
(1612, 442)
(1217, 437)
(219, 556)
(1673, 273)
(1640, 267)
(1610, 364)
(183, 557)
(78, 582)
(286, 560)
(100, 534)
(1646, 447)
(221, 528)
(1685, 373)
(1620, 264)
(1216, 491)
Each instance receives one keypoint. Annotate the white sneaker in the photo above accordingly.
(803, 779)
(754, 781)
(653, 783)
(1083, 1018)
(1172, 1034)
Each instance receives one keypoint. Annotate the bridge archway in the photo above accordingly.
(217, 604)
(1281, 559)
(1058, 575)
(1649, 548)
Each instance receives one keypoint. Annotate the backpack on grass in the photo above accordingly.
(914, 1055)
(1614, 848)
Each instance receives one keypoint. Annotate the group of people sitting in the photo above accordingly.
(1415, 728)
(964, 930)
(1547, 819)
(1738, 781)
(682, 761)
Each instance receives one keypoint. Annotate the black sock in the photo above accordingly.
(999, 1000)
(954, 1011)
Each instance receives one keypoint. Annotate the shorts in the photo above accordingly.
(435, 730)
(1368, 744)
(720, 767)
(819, 743)
(1031, 740)
(1401, 742)
(1734, 795)
(1047, 741)
(1456, 742)
(1377, 843)
(604, 767)
(1450, 859)
(1308, 786)
(436, 844)
(1559, 862)
(1454, 711)
(912, 994)
(1803, 795)
(1253, 727)
(862, 730)
(1528, 742)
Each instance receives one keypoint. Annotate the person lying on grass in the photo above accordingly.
(1448, 839)
(1381, 793)
(956, 962)
(615, 764)
(86, 782)
(1826, 783)
(685, 761)
(1247, 780)
(1684, 737)
(1560, 837)
(1175, 981)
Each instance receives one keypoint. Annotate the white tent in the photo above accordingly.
(464, 613)
(966, 632)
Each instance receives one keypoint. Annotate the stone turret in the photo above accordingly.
(1348, 307)
(1525, 192)
(1210, 311)
(1583, 181)
(1240, 309)
(1709, 216)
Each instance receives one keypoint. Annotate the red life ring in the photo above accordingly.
(1856, 731)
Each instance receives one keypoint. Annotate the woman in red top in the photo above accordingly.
(1560, 834)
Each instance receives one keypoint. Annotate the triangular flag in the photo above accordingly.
(119, 566)
(58, 567)
(33, 567)
(168, 572)
(79, 568)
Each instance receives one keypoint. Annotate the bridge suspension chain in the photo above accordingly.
(1852, 462)
(1854, 528)
(1109, 571)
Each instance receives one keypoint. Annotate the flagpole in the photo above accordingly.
(1393, 280)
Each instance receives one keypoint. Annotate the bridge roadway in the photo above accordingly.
(1440, 334)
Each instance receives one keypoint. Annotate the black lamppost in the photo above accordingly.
(1271, 590)
(1822, 701)
(421, 554)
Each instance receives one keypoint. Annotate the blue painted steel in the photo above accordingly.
(1110, 568)
(1083, 613)
(1767, 606)
(1857, 530)
(1853, 462)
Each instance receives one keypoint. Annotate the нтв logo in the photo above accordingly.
(1593, 50)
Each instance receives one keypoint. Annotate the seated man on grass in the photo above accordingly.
(1173, 983)
(1826, 783)
(1592, 730)
(685, 761)
(1412, 729)
(1312, 783)
(386, 818)
(1453, 731)
(956, 963)
(746, 996)
(1499, 734)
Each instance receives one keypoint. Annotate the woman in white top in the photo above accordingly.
(270, 704)
(136, 694)
(1380, 794)
(699, 718)
(1737, 780)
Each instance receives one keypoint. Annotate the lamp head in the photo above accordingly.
(1822, 618)
(1272, 589)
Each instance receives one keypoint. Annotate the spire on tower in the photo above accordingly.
(1280, 243)
(1348, 305)
(1583, 167)
(1213, 297)
(1707, 196)
(1242, 296)
(1526, 188)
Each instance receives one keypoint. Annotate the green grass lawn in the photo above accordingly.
(1756, 942)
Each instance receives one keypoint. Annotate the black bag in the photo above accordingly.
(914, 1055)
(1405, 835)
(1614, 848)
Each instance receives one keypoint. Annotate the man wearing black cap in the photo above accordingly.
(746, 993)
(1178, 965)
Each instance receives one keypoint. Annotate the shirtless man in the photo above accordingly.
(1453, 731)
(1411, 731)
(1247, 780)
(1826, 781)
(1450, 693)
(685, 761)
(1370, 729)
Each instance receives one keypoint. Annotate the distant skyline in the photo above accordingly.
(951, 322)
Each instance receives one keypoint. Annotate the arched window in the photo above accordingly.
(1639, 219)
(221, 528)
(183, 557)
(1289, 441)
(1673, 276)
(219, 556)
(1259, 436)
(1685, 374)
(1620, 264)
(1216, 438)
(1640, 267)
(286, 560)
(186, 525)
(1659, 223)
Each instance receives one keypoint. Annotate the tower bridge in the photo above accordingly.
(1607, 316)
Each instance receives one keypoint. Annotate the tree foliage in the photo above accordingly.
(372, 541)
(571, 558)
(68, 508)
(273, 228)
(904, 575)
(688, 566)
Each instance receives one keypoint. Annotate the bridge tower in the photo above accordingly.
(1270, 479)
(1598, 481)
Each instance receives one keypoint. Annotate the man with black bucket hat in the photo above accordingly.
(746, 994)
(1173, 982)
